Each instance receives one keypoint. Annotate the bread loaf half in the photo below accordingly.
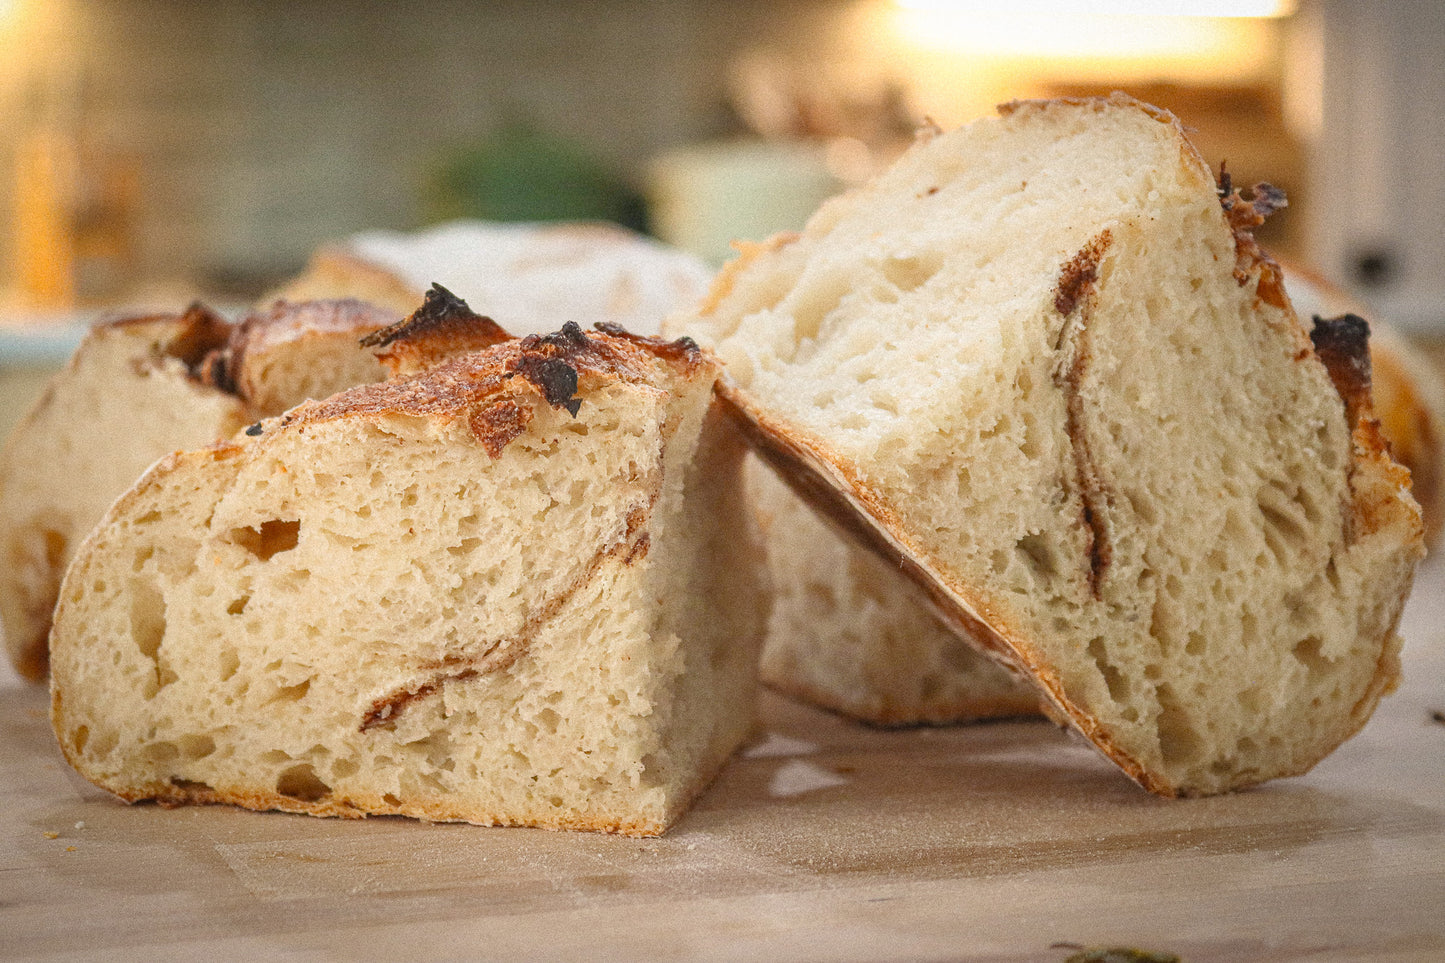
(138, 389)
(1041, 366)
(518, 588)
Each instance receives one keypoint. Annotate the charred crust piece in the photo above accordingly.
(203, 334)
(1078, 275)
(1343, 345)
(1243, 216)
(440, 311)
(556, 378)
(443, 326)
(683, 349)
(254, 430)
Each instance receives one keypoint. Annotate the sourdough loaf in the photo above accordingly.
(530, 276)
(517, 588)
(138, 389)
(1041, 366)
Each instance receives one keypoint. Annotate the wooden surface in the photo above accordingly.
(825, 841)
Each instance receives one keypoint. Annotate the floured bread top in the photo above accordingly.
(530, 277)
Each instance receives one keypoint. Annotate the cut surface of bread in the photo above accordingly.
(518, 588)
(527, 276)
(138, 389)
(1041, 366)
(850, 633)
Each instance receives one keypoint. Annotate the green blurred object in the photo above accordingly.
(524, 174)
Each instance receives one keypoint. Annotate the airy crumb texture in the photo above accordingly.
(887, 658)
(519, 588)
(1041, 364)
(138, 389)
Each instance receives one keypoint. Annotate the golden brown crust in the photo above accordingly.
(443, 327)
(283, 323)
(490, 388)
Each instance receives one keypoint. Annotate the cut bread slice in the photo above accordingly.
(850, 633)
(889, 660)
(518, 588)
(1041, 366)
(530, 276)
(138, 389)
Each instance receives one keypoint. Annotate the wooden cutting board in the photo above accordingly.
(825, 840)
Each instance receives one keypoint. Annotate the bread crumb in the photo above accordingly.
(70, 849)
(80, 824)
(52, 835)
(797, 777)
(775, 745)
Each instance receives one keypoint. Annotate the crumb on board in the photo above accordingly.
(52, 835)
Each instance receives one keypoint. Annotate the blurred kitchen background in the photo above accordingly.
(153, 151)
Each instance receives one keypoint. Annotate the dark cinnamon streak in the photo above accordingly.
(1077, 277)
(501, 654)
(1076, 284)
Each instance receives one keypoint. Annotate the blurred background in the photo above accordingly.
(153, 151)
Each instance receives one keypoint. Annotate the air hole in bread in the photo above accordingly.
(911, 273)
(149, 518)
(465, 547)
(291, 693)
(78, 739)
(1040, 554)
(230, 661)
(301, 782)
(345, 768)
(191, 785)
(161, 752)
(1307, 652)
(196, 747)
(147, 618)
(391, 800)
(238, 606)
(1178, 740)
(1113, 678)
(814, 302)
(267, 539)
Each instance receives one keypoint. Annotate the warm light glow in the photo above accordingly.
(1076, 35)
(1134, 8)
